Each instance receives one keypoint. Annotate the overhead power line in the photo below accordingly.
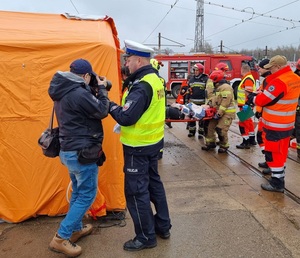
(172, 6)
(258, 14)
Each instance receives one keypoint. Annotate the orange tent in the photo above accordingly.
(32, 48)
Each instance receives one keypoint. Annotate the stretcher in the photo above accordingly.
(186, 120)
(209, 114)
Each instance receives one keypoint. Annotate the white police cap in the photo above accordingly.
(137, 49)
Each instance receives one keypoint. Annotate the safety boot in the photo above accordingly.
(191, 134)
(169, 124)
(252, 141)
(244, 145)
(222, 150)
(267, 171)
(274, 185)
(86, 230)
(64, 246)
(263, 165)
(209, 146)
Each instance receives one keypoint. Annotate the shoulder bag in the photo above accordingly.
(49, 140)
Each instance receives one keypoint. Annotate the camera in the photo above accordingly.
(94, 83)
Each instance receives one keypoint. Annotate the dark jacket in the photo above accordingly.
(138, 100)
(78, 111)
(197, 85)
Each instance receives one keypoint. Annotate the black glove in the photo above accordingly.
(250, 99)
(258, 115)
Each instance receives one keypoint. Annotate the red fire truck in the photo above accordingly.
(176, 68)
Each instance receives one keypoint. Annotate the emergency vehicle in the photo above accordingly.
(176, 68)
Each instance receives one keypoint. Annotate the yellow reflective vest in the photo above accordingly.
(241, 96)
(149, 129)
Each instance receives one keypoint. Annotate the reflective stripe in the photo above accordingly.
(269, 95)
(230, 110)
(140, 137)
(197, 100)
(276, 125)
(279, 113)
(149, 126)
(287, 101)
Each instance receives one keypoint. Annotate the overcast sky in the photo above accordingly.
(277, 22)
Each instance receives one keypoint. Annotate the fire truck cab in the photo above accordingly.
(176, 68)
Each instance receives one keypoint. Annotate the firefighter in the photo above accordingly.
(297, 121)
(223, 101)
(279, 101)
(196, 95)
(246, 127)
(210, 85)
(260, 135)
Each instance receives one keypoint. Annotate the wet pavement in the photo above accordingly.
(217, 209)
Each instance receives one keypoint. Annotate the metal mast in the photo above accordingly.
(199, 27)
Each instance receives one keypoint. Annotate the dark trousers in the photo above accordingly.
(143, 186)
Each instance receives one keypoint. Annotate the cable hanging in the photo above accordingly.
(172, 6)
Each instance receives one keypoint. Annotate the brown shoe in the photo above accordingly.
(64, 246)
(86, 230)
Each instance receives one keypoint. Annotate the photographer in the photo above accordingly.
(80, 102)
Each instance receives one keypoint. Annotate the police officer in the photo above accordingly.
(196, 95)
(142, 118)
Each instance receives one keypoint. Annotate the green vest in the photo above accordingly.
(149, 129)
(241, 96)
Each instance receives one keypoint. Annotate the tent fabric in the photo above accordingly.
(32, 48)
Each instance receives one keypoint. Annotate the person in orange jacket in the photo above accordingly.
(279, 101)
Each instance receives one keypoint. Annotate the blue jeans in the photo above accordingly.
(84, 184)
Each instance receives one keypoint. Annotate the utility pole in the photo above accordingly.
(221, 46)
(199, 27)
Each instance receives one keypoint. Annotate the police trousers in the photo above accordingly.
(143, 186)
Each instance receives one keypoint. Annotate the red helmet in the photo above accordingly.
(222, 66)
(298, 64)
(199, 66)
(217, 75)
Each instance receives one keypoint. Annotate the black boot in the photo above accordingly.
(209, 146)
(252, 140)
(263, 165)
(169, 124)
(267, 171)
(222, 150)
(244, 145)
(191, 134)
(274, 185)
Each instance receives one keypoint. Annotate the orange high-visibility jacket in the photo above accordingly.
(279, 100)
